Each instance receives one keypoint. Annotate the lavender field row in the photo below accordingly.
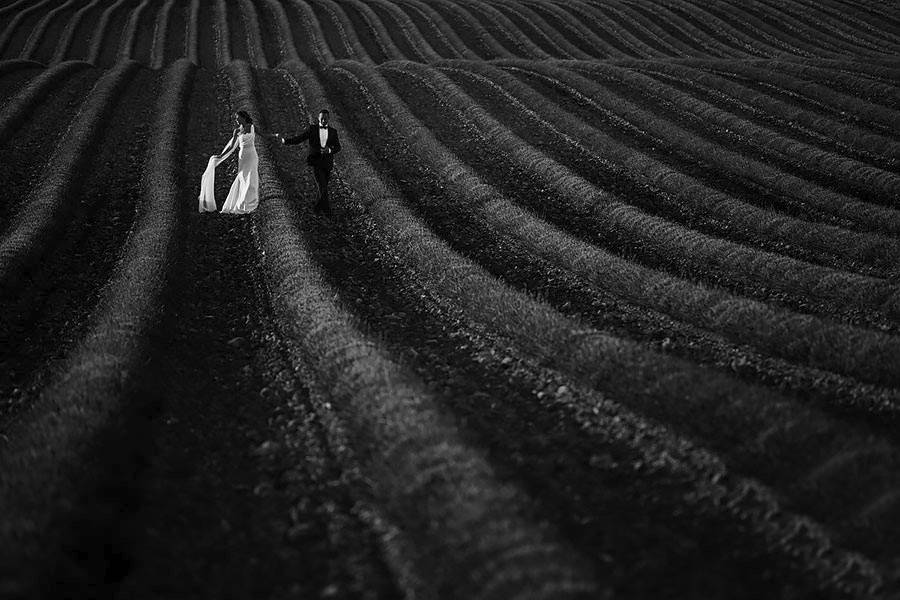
(608, 304)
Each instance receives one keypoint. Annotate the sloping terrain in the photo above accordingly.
(609, 304)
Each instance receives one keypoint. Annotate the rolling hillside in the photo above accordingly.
(609, 305)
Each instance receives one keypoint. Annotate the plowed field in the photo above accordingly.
(608, 305)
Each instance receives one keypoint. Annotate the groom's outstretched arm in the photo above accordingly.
(296, 139)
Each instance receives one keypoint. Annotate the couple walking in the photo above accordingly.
(243, 197)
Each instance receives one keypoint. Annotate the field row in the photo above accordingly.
(210, 33)
(465, 361)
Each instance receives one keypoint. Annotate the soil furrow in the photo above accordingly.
(42, 43)
(397, 315)
(15, 76)
(27, 149)
(175, 39)
(877, 151)
(751, 201)
(46, 315)
(606, 512)
(80, 40)
(17, 31)
(244, 497)
(772, 148)
(546, 197)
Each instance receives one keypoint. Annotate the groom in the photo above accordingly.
(323, 145)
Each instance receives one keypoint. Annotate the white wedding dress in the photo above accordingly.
(243, 197)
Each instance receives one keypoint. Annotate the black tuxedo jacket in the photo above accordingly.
(316, 157)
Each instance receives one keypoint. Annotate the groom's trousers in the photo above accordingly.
(321, 176)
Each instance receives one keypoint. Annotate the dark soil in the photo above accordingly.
(12, 82)
(84, 32)
(609, 513)
(26, 152)
(114, 34)
(45, 49)
(176, 35)
(47, 315)
(524, 188)
(244, 497)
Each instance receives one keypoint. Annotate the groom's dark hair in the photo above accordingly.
(324, 111)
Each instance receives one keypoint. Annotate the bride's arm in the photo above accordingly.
(229, 146)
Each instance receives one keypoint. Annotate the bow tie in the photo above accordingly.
(323, 126)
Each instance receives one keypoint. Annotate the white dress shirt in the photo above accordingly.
(323, 136)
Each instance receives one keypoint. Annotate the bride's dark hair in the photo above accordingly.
(245, 116)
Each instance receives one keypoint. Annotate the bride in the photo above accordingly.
(243, 197)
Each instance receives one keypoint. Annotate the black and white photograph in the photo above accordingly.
(449, 299)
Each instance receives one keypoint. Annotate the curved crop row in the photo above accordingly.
(33, 227)
(658, 36)
(314, 40)
(205, 38)
(505, 31)
(810, 22)
(15, 75)
(726, 34)
(279, 27)
(272, 36)
(878, 150)
(338, 31)
(403, 31)
(442, 38)
(533, 27)
(600, 361)
(413, 456)
(47, 311)
(608, 21)
(70, 33)
(747, 23)
(864, 18)
(852, 78)
(368, 30)
(106, 27)
(15, 35)
(821, 98)
(233, 38)
(678, 26)
(17, 64)
(255, 47)
(172, 44)
(576, 34)
(660, 241)
(811, 162)
(33, 135)
(14, 6)
(137, 37)
(470, 30)
(221, 33)
(17, 109)
(783, 32)
(482, 297)
(161, 34)
(46, 31)
(695, 302)
(49, 460)
(883, 71)
(850, 83)
(685, 156)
